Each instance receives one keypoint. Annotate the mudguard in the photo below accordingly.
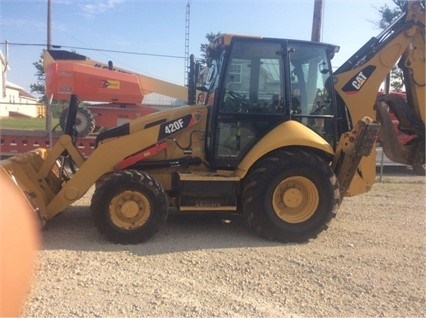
(287, 134)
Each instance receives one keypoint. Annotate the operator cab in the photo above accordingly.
(263, 83)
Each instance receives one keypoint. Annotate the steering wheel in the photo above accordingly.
(237, 102)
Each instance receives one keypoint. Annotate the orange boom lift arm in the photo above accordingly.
(71, 73)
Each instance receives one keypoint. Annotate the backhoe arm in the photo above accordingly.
(358, 80)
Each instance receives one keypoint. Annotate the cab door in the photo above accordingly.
(250, 101)
(311, 87)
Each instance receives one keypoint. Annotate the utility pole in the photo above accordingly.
(49, 34)
(317, 20)
(46, 99)
(3, 71)
(187, 16)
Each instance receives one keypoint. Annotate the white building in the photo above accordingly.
(18, 103)
(14, 100)
(161, 101)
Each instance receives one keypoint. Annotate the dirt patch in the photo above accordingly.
(370, 262)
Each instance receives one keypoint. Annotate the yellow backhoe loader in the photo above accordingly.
(280, 139)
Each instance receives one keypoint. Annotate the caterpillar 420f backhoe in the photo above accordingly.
(280, 139)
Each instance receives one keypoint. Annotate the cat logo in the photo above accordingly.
(357, 82)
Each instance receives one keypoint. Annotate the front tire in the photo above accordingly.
(129, 207)
(290, 196)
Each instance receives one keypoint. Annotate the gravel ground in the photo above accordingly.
(370, 262)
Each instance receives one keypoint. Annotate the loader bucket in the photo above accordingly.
(40, 173)
(29, 172)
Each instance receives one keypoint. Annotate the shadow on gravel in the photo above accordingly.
(74, 230)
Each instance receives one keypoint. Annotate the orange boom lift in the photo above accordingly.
(121, 91)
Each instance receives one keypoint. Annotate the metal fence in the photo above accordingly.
(91, 120)
(388, 171)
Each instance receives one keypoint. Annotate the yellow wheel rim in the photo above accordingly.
(129, 210)
(295, 199)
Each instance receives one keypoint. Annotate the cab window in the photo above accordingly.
(310, 77)
(251, 100)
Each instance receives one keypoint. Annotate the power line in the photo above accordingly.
(23, 44)
(94, 49)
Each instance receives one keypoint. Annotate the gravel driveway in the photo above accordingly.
(370, 262)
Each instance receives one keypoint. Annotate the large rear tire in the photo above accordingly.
(290, 196)
(129, 207)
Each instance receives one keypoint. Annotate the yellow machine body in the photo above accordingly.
(280, 138)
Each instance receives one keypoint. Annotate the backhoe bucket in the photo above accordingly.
(411, 153)
(34, 177)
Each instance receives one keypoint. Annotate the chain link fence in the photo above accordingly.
(20, 132)
(389, 171)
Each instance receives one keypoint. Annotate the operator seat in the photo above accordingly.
(275, 104)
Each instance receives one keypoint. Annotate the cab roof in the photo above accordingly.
(224, 40)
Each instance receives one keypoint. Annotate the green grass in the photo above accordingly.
(26, 123)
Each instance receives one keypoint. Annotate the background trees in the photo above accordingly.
(38, 87)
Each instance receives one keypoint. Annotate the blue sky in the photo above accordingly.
(158, 27)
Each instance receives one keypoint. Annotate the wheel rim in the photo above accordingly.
(130, 210)
(81, 122)
(295, 199)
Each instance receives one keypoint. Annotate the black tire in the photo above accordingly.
(290, 196)
(84, 122)
(133, 193)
